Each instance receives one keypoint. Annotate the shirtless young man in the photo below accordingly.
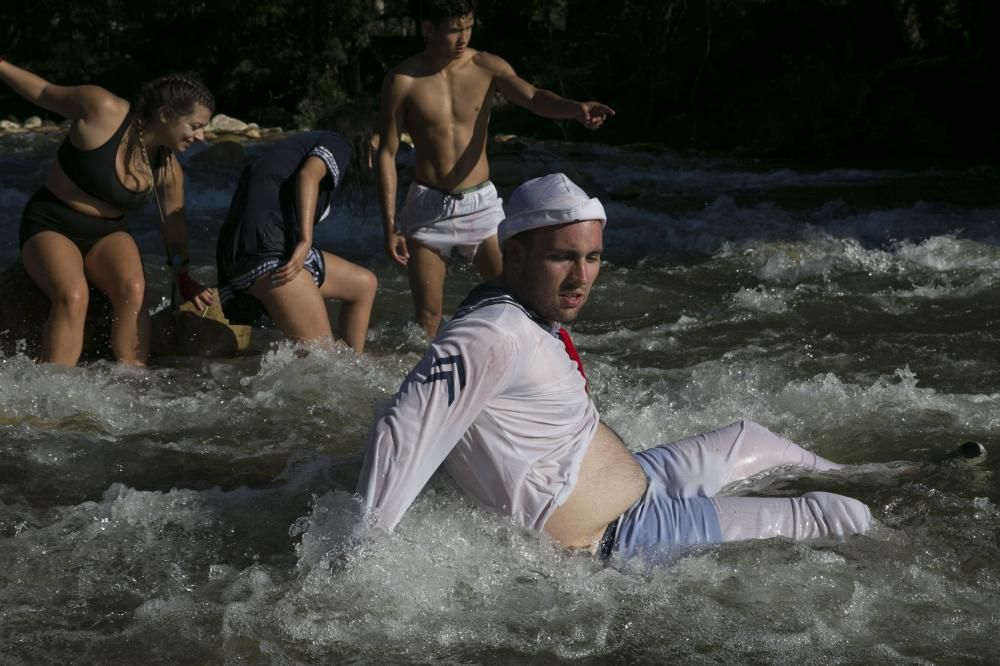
(501, 400)
(443, 97)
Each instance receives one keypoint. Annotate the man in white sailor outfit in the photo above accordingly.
(500, 398)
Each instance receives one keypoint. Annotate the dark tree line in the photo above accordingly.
(806, 78)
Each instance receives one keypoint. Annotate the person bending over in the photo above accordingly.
(443, 97)
(500, 399)
(265, 254)
(73, 230)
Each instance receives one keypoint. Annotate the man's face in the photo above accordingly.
(552, 269)
(450, 38)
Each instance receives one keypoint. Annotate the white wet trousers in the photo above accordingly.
(703, 464)
(681, 506)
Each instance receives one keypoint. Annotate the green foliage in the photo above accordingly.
(810, 78)
(823, 78)
(276, 61)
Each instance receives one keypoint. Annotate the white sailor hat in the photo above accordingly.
(547, 201)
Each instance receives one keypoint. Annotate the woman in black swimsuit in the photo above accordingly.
(73, 230)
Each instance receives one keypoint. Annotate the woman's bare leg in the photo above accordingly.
(55, 264)
(355, 287)
(115, 267)
(297, 307)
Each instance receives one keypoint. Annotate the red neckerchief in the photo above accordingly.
(573, 354)
(490, 293)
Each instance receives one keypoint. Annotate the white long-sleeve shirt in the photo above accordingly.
(495, 398)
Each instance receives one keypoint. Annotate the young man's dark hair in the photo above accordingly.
(437, 11)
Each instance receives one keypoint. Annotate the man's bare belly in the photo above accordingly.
(450, 157)
(444, 176)
(610, 481)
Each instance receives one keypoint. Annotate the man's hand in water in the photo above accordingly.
(593, 114)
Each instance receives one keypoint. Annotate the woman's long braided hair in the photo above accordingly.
(177, 93)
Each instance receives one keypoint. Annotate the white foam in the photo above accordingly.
(762, 299)
(276, 574)
(716, 393)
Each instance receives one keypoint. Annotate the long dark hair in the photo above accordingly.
(354, 122)
(177, 93)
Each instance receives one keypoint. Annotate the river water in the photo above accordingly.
(200, 511)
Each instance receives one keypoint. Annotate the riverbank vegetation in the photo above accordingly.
(793, 78)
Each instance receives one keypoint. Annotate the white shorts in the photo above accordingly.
(449, 221)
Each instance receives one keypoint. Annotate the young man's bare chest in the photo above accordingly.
(458, 96)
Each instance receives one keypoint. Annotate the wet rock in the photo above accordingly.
(230, 136)
(252, 133)
(584, 151)
(189, 331)
(9, 125)
(49, 127)
(538, 164)
(625, 193)
(223, 123)
(32, 122)
(506, 171)
(221, 154)
(581, 178)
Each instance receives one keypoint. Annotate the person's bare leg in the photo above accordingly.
(114, 266)
(489, 259)
(427, 270)
(297, 307)
(355, 287)
(55, 264)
